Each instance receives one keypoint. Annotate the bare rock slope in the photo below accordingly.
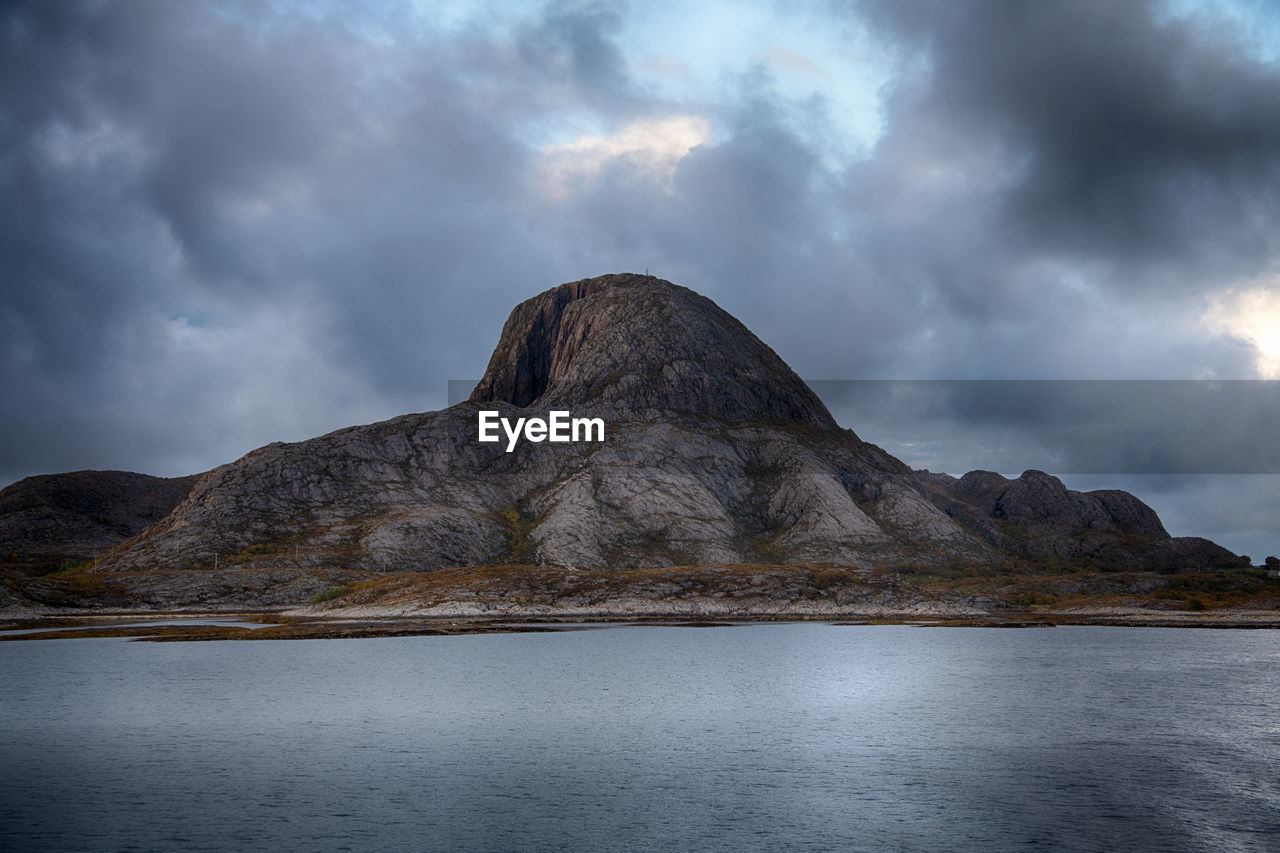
(715, 452)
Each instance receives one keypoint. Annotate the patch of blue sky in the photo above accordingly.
(701, 53)
(1254, 25)
(696, 57)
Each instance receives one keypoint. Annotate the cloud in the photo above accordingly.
(1251, 313)
(325, 211)
(665, 66)
(202, 162)
(1112, 132)
(651, 147)
(791, 60)
(1122, 427)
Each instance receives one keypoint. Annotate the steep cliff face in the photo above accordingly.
(634, 347)
(715, 452)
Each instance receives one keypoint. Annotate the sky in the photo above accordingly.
(230, 223)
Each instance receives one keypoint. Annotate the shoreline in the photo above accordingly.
(282, 624)
(505, 593)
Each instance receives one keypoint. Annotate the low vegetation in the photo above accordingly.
(332, 593)
(1042, 588)
(1053, 595)
(516, 526)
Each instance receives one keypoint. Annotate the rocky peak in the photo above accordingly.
(1129, 513)
(1034, 496)
(636, 347)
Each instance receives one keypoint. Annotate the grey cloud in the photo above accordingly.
(1120, 427)
(224, 228)
(1129, 137)
(576, 41)
(201, 165)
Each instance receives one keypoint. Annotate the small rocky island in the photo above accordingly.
(724, 489)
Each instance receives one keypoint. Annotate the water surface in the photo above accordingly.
(761, 737)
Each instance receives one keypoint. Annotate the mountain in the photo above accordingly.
(637, 348)
(53, 518)
(715, 452)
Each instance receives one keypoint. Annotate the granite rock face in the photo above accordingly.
(634, 348)
(715, 452)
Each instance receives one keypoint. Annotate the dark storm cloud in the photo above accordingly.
(1052, 181)
(752, 219)
(578, 43)
(1123, 427)
(206, 170)
(1124, 136)
(225, 225)
(1093, 163)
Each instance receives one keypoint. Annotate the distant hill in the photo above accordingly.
(52, 518)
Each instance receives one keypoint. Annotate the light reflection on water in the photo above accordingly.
(762, 737)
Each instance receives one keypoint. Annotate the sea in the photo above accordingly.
(798, 736)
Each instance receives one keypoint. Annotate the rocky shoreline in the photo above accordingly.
(492, 598)
(305, 624)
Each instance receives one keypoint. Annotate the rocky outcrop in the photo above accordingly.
(52, 518)
(715, 453)
(1036, 516)
(635, 348)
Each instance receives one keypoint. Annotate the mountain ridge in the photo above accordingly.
(716, 453)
